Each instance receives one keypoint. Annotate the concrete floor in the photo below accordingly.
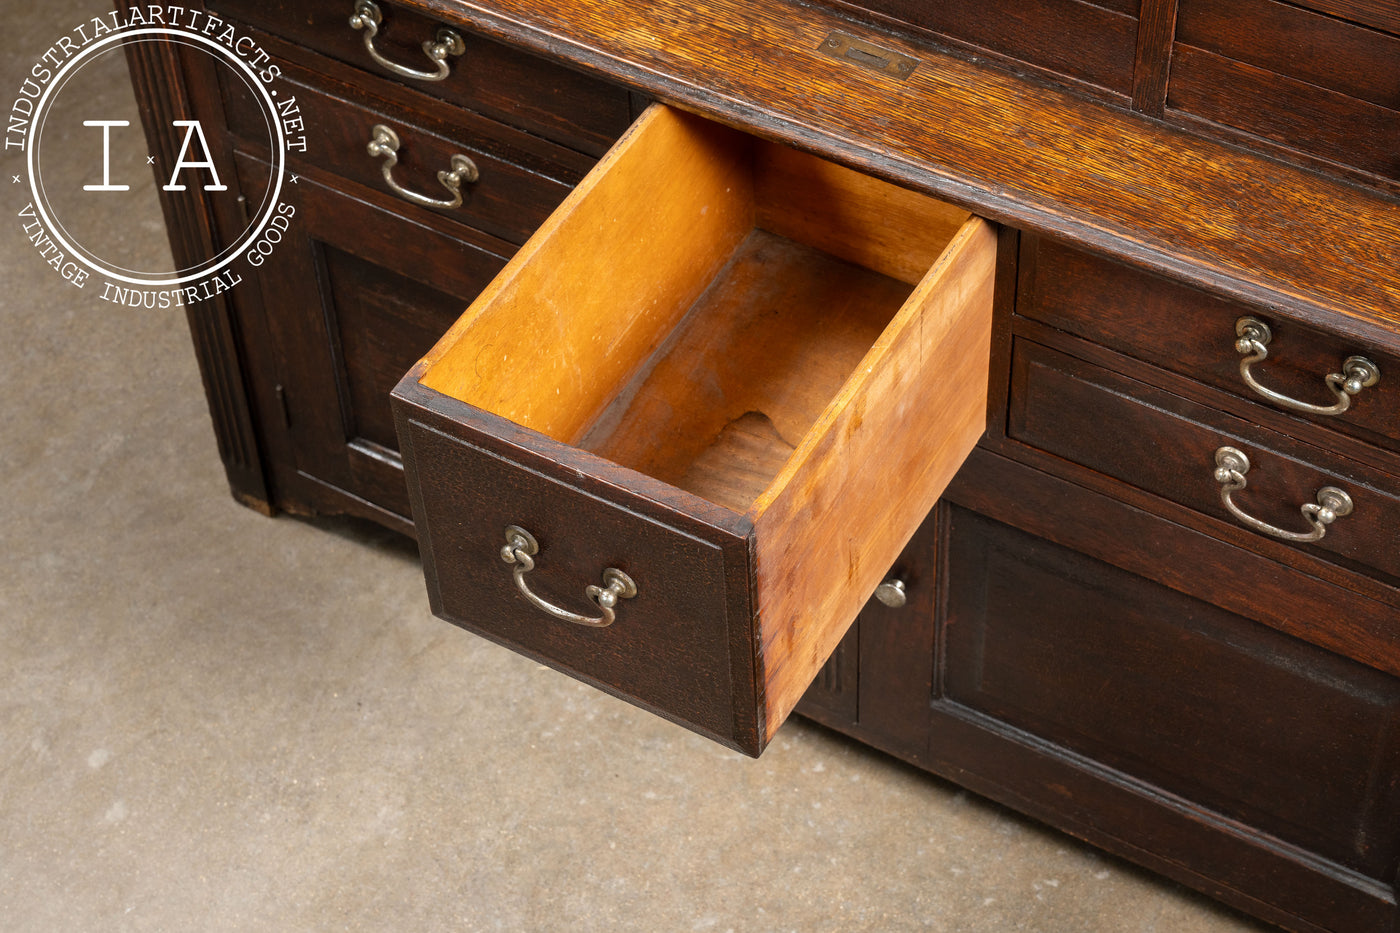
(210, 720)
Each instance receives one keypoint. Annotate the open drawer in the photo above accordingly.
(720, 388)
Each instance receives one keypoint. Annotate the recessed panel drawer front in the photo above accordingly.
(679, 441)
(1196, 701)
(1194, 333)
(535, 95)
(1171, 447)
(509, 183)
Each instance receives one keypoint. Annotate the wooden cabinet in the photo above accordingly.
(1106, 621)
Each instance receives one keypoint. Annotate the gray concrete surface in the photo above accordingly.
(211, 720)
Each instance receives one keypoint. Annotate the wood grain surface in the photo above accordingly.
(1036, 156)
(871, 468)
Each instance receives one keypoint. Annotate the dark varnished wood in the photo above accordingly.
(1156, 28)
(361, 293)
(1287, 40)
(1305, 562)
(1165, 445)
(1312, 82)
(521, 90)
(683, 647)
(1192, 332)
(1151, 682)
(1284, 111)
(1034, 156)
(163, 94)
(1100, 547)
(1087, 42)
(1038, 587)
(1381, 14)
(522, 178)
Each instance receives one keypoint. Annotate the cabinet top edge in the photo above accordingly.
(1013, 149)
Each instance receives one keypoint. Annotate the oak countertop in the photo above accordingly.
(1012, 148)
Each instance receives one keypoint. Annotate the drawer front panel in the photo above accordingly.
(1309, 81)
(507, 85)
(519, 183)
(1167, 446)
(669, 648)
(1296, 43)
(1191, 332)
(1170, 689)
(1090, 42)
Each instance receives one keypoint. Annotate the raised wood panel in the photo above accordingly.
(358, 294)
(1231, 715)
(381, 322)
(1228, 858)
(521, 90)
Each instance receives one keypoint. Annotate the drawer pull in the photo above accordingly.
(449, 42)
(385, 142)
(1332, 503)
(520, 550)
(892, 593)
(1253, 344)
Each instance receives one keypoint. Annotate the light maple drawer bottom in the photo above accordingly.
(720, 389)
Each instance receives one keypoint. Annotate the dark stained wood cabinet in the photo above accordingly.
(1102, 622)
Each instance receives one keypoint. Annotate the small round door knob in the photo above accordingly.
(892, 593)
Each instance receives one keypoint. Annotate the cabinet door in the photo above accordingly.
(354, 296)
(1067, 654)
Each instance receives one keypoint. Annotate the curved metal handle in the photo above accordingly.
(368, 17)
(385, 142)
(520, 550)
(892, 593)
(1252, 342)
(1332, 503)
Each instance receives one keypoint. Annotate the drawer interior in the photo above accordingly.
(751, 346)
(708, 353)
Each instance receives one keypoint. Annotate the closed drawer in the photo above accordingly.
(1169, 446)
(1322, 84)
(513, 183)
(1091, 42)
(1193, 333)
(493, 79)
(738, 375)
